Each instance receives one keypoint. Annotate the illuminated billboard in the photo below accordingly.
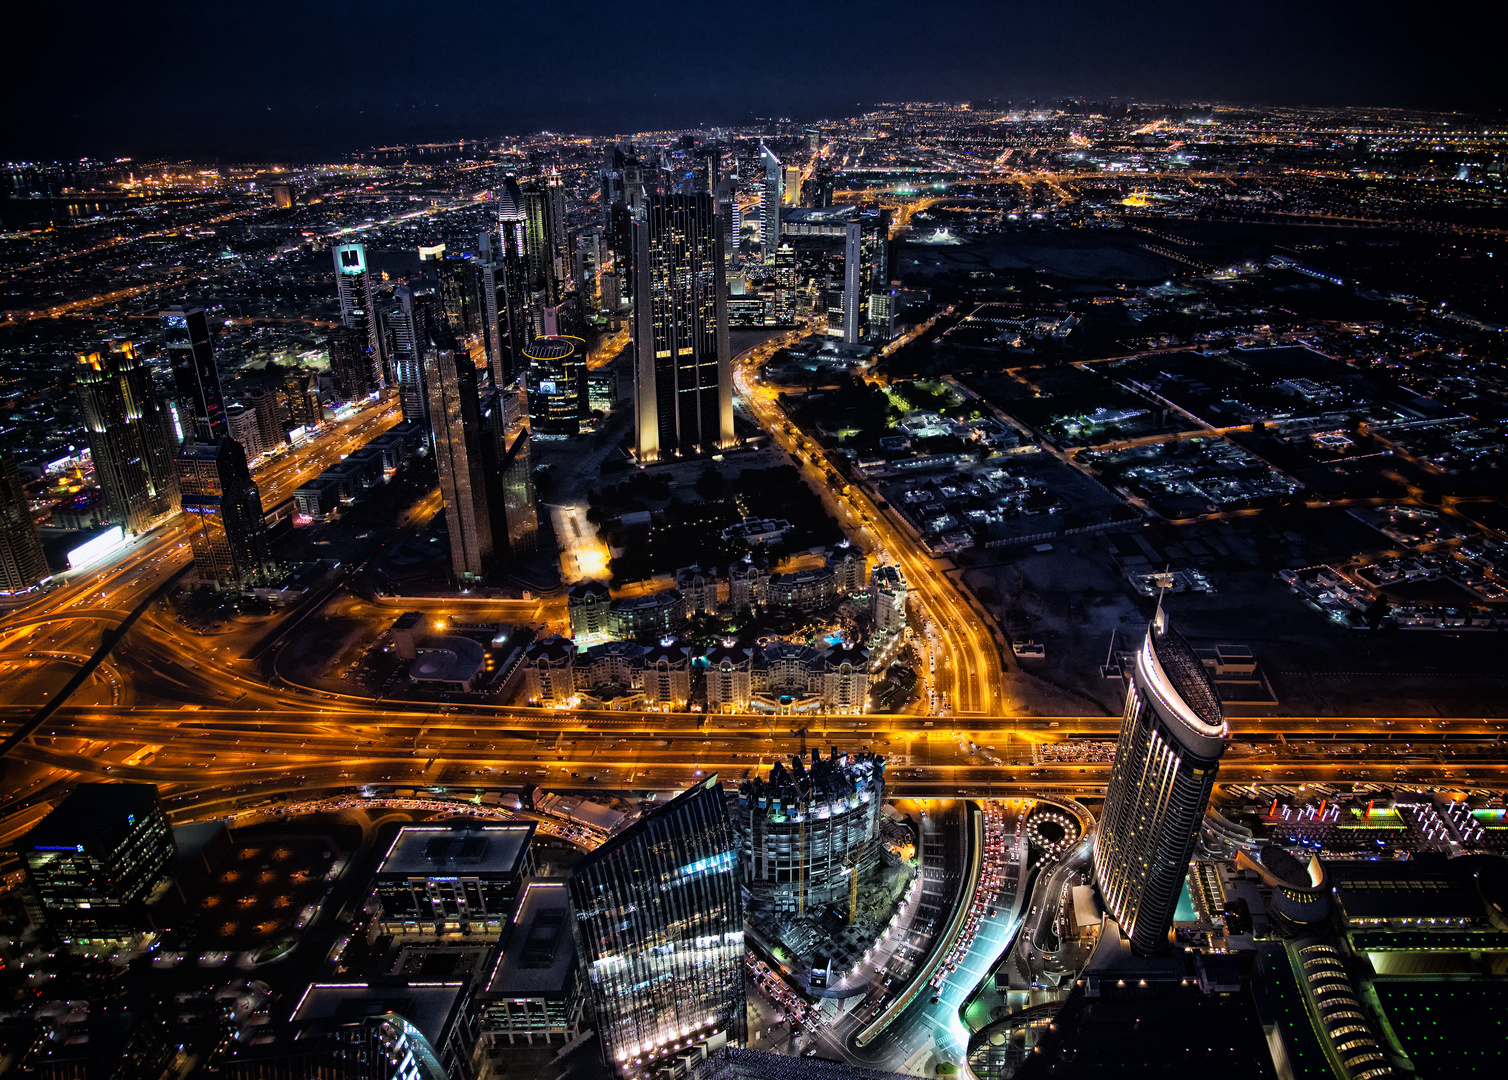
(100, 547)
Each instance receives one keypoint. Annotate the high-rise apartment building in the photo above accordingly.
(129, 436)
(358, 305)
(350, 366)
(659, 930)
(1172, 735)
(95, 859)
(732, 217)
(784, 266)
(229, 531)
(196, 383)
(770, 196)
(683, 374)
(22, 564)
(455, 413)
(866, 277)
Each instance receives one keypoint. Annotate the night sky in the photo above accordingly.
(310, 78)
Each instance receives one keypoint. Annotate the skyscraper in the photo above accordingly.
(22, 565)
(866, 277)
(683, 374)
(229, 534)
(491, 286)
(129, 437)
(455, 413)
(350, 366)
(659, 929)
(358, 305)
(196, 383)
(769, 205)
(460, 302)
(549, 255)
(409, 320)
(732, 217)
(1172, 735)
(557, 385)
(525, 280)
(508, 468)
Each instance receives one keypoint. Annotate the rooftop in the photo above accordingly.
(91, 814)
(486, 849)
(536, 957)
(426, 1006)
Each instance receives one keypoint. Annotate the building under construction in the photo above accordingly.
(809, 835)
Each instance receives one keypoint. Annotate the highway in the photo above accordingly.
(968, 671)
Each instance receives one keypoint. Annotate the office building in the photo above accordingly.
(228, 527)
(533, 994)
(22, 564)
(508, 467)
(438, 880)
(95, 860)
(659, 930)
(810, 833)
(526, 294)
(358, 306)
(683, 375)
(1172, 735)
(790, 194)
(784, 266)
(196, 383)
(866, 277)
(130, 438)
(732, 217)
(411, 321)
(500, 320)
(460, 303)
(455, 415)
(818, 190)
(557, 385)
(546, 243)
(770, 198)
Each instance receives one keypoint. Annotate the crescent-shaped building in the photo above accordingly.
(1172, 735)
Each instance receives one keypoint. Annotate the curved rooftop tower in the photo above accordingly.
(1172, 735)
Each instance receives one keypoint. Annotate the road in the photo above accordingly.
(968, 675)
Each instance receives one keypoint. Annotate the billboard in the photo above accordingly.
(100, 547)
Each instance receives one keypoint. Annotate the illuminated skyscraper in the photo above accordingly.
(769, 205)
(409, 321)
(519, 303)
(549, 254)
(350, 366)
(1172, 735)
(196, 383)
(508, 467)
(22, 565)
(659, 930)
(455, 413)
(460, 302)
(866, 277)
(683, 374)
(229, 531)
(130, 438)
(557, 385)
(358, 305)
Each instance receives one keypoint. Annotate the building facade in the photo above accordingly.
(358, 306)
(438, 881)
(455, 412)
(196, 382)
(129, 436)
(23, 567)
(557, 385)
(229, 531)
(93, 862)
(810, 832)
(683, 374)
(659, 931)
(1172, 735)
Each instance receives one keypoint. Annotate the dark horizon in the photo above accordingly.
(256, 83)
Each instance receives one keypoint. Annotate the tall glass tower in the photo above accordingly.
(769, 205)
(456, 419)
(129, 437)
(683, 372)
(1172, 735)
(22, 564)
(358, 305)
(185, 336)
(659, 931)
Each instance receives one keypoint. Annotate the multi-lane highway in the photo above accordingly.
(967, 678)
